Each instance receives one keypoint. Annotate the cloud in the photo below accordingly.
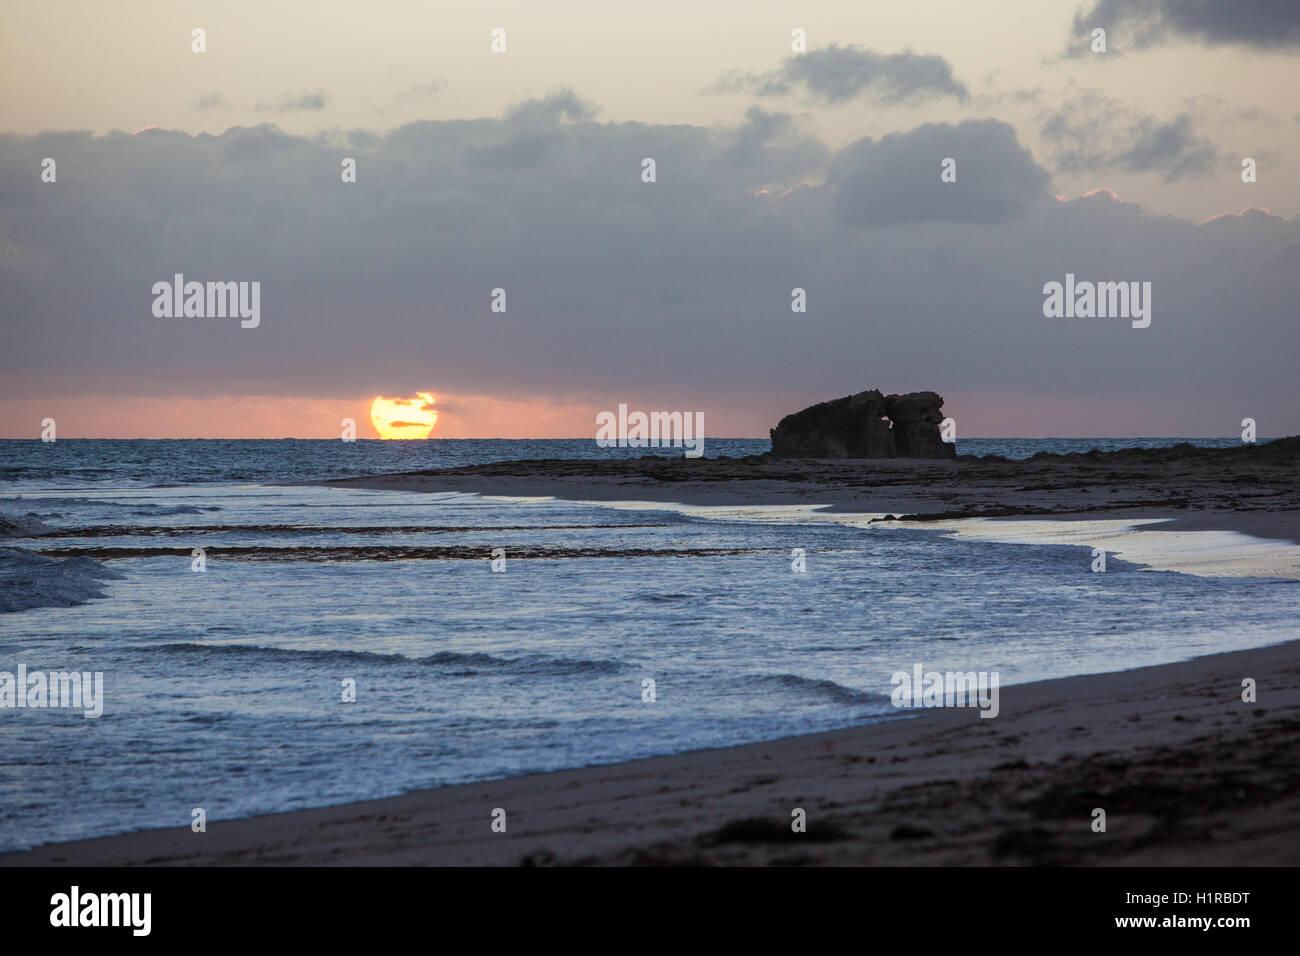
(896, 179)
(1094, 133)
(1215, 110)
(1251, 214)
(551, 109)
(772, 141)
(363, 138)
(839, 74)
(256, 144)
(1171, 148)
(1262, 24)
(212, 101)
(423, 401)
(1016, 97)
(618, 288)
(421, 91)
(290, 103)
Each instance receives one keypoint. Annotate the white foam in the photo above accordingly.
(29, 580)
(1206, 553)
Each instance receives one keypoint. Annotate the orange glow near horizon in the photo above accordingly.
(474, 415)
(234, 416)
(404, 417)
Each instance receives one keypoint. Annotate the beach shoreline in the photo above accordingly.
(1188, 773)
(1230, 514)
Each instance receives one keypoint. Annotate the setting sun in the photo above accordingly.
(403, 417)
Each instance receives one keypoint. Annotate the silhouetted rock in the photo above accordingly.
(859, 426)
(916, 417)
(852, 427)
(915, 407)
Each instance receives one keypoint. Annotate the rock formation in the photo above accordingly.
(865, 425)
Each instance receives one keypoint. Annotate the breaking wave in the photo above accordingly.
(450, 660)
(29, 580)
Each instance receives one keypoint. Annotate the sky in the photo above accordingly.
(523, 170)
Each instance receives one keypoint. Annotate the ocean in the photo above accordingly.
(223, 688)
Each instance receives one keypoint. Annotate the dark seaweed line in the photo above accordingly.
(115, 531)
(255, 553)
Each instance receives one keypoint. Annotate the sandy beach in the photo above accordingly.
(1187, 773)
